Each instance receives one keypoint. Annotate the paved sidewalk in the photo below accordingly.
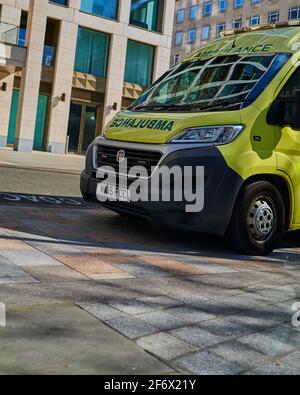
(182, 298)
(63, 339)
(71, 164)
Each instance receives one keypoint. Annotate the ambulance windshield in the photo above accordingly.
(225, 82)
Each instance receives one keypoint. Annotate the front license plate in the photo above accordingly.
(113, 193)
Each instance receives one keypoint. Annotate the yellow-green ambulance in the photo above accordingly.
(232, 107)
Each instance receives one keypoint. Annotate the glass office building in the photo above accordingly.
(94, 60)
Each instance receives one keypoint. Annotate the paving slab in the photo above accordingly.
(285, 335)
(292, 359)
(165, 346)
(131, 306)
(48, 274)
(159, 302)
(239, 353)
(131, 327)
(23, 255)
(59, 340)
(143, 270)
(275, 369)
(18, 280)
(190, 313)
(102, 311)
(197, 336)
(162, 320)
(7, 269)
(266, 344)
(206, 364)
(225, 327)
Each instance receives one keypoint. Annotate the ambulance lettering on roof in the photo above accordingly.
(231, 51)
(260, 40)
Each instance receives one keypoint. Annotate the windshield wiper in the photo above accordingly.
(150, 108)
(170, 107)
(225, 104)
(189, 107)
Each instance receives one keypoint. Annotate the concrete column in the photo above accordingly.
(31, 75)
(124, 11)
(168, 19)
(115, 77)
(64, 66)
(163, 53)
(5, 104)
(12, 16)
(162, 61)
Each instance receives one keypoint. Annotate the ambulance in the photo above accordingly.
(233, 108)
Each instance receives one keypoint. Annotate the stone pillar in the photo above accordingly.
(63, 77)
(115, 77)
(168, 19)
(124, 11)
(163, 54)
(12, 16)
(31, 75)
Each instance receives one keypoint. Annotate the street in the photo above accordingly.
(88, 291)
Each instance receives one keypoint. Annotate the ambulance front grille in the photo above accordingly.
(107, 156)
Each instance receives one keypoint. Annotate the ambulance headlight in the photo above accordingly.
(210, 135)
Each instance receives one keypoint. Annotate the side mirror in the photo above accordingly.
(285, 111)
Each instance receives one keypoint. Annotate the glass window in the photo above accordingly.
(294, 13)
(254, 20)
(273, 16)
(194, 12)
(91, 52)
(22, 30)
(176, 59)
(237, 23)
(292, 87)
(205, 33)
(207, 8)
(238, 3)
(147, 14)
(61, 2)
(192, 36)
(220, 28)
(139, 63)
(231, 82)
(180, 16)
(178, 38)
(106, 8)
(222, 5)
(254, 2)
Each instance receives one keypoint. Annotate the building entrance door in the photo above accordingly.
(82, 127)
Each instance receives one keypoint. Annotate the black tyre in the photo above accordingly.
(258, 220)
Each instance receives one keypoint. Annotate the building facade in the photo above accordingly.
(200, 21)
(67, 66)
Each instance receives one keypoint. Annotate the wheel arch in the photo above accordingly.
(283, 187)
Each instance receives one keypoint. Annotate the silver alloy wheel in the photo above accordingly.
(261, 220)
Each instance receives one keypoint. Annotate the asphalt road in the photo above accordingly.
(39, 182)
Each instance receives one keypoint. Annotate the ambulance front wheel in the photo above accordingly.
(258, 220)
